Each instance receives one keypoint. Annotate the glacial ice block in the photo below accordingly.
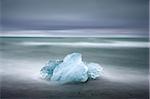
(71, 69)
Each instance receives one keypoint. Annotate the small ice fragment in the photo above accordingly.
(47, 71)
(94, 70)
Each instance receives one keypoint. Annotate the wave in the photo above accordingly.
(91, 44)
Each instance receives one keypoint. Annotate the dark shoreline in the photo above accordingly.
(96, 89)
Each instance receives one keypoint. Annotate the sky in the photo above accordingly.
(74, 14)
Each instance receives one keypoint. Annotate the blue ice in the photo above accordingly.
(71, 70)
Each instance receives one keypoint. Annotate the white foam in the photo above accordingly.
(91, 44)
(125, 75)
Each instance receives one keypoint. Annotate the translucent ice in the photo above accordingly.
(47, 71)
(94, 70)
(71, 69)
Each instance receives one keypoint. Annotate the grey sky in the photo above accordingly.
(65, 14)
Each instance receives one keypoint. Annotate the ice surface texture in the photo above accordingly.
(72, 69)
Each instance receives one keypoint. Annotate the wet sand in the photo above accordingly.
(94, 89)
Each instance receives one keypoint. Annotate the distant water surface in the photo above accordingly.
(125, 62)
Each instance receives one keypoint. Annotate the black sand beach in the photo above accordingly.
(96, 89)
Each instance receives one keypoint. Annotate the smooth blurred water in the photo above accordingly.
(125, 60)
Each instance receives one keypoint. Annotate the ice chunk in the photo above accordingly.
(94, 70)
(71, 69)
(47, 71)
(73, 58)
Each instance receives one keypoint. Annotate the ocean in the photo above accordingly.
(125, 61)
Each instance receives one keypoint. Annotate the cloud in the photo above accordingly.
(66, 14)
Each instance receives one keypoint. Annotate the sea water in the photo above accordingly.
(124, 60)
